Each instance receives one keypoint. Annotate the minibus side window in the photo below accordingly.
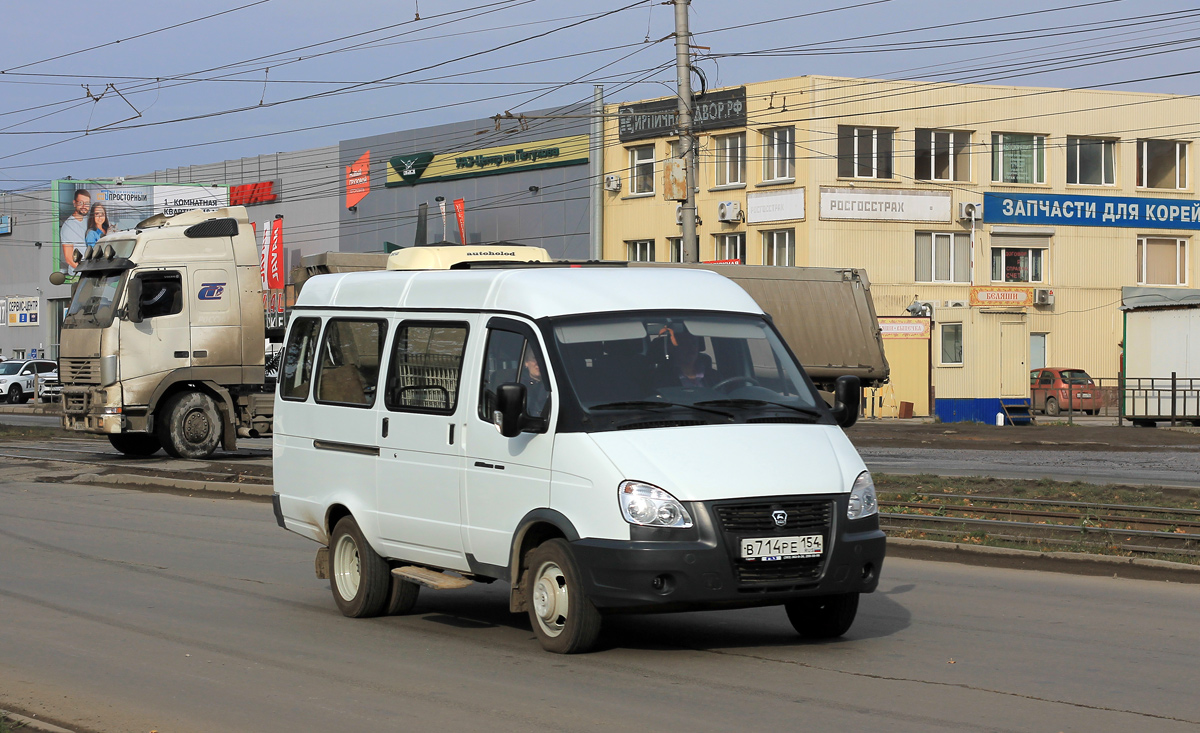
(511, 358)
(298, 359)
(426, 367)
(350, 353)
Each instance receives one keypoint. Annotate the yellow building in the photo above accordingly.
(1015, 213)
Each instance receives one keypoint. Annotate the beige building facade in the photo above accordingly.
(1010, 215)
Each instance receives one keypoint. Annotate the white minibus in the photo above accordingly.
(603, 439)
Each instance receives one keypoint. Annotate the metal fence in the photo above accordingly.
(1170, 399)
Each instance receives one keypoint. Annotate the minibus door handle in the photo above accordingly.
(385, 427)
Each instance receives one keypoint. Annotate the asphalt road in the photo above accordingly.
(126, 611)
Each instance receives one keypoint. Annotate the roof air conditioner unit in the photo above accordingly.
(612, 182)
(970, 212)
(1043, 296)
(957, 304)
(729, 211)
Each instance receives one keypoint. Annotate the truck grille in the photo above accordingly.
(79, 371)
(75, 403)
(756, 518)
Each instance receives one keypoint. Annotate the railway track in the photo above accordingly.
(87, 455)
(1142, 530)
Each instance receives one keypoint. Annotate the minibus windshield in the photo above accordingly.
(681, 369)
(94, 302)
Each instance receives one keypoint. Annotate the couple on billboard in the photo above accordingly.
(85, 226)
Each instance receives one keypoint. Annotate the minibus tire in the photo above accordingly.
(190, 425)
(366, 581)
(402, 597)
(552, 580)
(823, 617)
(135, 444)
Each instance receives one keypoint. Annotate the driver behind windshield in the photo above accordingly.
(692, 367)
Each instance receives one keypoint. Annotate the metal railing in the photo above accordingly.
(1159, 399)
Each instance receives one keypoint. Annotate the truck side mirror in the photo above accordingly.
(510, 404)
(58, 277)
(846, 396)
(133, 301)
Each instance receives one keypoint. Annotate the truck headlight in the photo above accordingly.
(650, 506)
(862, 497)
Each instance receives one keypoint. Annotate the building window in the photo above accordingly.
(731, 248)
(943, 155)
(943, 257)
(779, 154)
(1161, 261)
(1161, 164)
(779, 248)
(1011, 265)
(641, 169)
(641, 250)
(1090, 161)
(864, 152)
(1018, 158)
(731, 159)
(952, 344)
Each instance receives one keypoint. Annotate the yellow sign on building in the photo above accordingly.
(414, 168)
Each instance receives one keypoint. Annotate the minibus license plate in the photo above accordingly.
(782, 548)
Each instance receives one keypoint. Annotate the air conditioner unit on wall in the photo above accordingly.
(957, 304)
(729, 211)
(1043, 296)
(612, 182)
(970, 211)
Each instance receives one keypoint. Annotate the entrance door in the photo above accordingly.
(506, 477)
(1014, 376)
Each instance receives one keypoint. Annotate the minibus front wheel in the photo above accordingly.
(360, 579)
(562, 617)
(823, 617)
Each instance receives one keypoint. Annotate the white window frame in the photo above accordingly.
(639, 250)
(637, 158)
(962, 350)
(1041, 253)
(723, 242)
(1107, 151)
(955, 174)
(1181, 269)
(933, 278)
(775, 240)
(675, 248)
(779, 154)
(1143, 164)
(1039, 153)
(730, 172)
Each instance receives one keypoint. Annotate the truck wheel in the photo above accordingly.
(562, 617)
(14, 394)
(402, 597)
(135, 444)
(358, 577)
(190, 426)
(822, 617)
(1052, 407)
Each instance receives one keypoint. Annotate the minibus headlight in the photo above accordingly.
(650, 506)
(862, 497)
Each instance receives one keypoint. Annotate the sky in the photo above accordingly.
(97, 90)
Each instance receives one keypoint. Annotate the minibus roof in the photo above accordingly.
(535, 292)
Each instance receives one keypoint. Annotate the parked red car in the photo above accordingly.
(1048, 388)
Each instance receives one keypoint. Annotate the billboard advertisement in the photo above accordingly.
(87, 210)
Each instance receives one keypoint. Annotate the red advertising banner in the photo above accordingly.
(460, 212)
(250, 194)
(358, 180)
(274, 252)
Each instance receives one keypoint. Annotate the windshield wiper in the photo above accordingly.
(744, 402)
(634, 404)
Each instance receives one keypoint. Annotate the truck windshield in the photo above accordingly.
(94, 302)
(652, 370)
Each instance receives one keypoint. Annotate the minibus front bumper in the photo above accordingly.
(701, 567)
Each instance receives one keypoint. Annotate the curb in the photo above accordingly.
(1075, 563)
(158, 482)
(31, 410)
(20, 722)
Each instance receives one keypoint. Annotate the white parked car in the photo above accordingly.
(603, 439)
(18, 378)
(49, 389)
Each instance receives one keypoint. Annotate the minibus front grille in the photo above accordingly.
(791, 572)
(783, 517)
(759, 516)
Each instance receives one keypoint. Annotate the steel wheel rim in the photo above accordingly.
(196, 426)
(347, 568)
(551, 600)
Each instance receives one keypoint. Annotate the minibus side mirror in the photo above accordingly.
(510, 402)
(133, 301)
(845, 400)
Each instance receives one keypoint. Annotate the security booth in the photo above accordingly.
(1160, 364)
(981, 358)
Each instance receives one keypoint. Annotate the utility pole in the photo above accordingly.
(689, 247)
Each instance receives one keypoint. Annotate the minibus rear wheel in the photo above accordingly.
(823, 617)
(563, 618)
(359, 578)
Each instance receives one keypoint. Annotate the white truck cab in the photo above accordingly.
(603, 439)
